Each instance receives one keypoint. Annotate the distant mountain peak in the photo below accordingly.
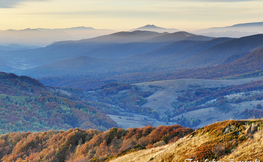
(81, 28)
(150, 27)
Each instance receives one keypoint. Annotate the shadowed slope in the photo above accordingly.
(218, 53)
(250, 63)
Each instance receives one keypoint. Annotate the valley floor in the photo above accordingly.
(167, 91)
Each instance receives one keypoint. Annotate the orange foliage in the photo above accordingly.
(77, 145)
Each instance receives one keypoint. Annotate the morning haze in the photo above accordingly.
(107, 14)
(122, 80)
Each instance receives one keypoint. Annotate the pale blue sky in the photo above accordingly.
(127, 14)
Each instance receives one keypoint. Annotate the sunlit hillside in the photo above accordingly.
(222, 141)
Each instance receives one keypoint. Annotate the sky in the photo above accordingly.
(185, 15)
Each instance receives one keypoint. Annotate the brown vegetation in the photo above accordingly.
(238, 140)
(81, 145)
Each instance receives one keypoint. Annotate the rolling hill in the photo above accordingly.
(164, 62)
(27, 105)
(122, 50)
(4, 66)
(125, 37)
(61, 52)
(250, 63)
(178, 36)
(177, 51)
(124, 55)
(108, 64)
(216, 55)
(168, 49)
(110, 46)
(76, 66)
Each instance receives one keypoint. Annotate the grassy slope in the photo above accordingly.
(239, 140)
(167, 91)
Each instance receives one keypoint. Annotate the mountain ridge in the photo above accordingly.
(246, 64)
(214, 55)
(236, 30)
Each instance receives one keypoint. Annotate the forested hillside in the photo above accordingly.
(85, 145)
(27, 105)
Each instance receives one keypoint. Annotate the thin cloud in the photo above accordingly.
(12, 3)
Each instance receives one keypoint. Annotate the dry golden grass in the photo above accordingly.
(142, 156)
(239, 140)
(249, 150)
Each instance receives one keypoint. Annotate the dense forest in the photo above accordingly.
(125, 98)
(27, 105)
(85, 145)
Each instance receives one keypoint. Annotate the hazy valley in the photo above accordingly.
(116, 81)
(157, 75)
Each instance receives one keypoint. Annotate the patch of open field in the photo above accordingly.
(167, 91)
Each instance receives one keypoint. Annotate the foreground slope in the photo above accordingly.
(238, 140)
(80, 145)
